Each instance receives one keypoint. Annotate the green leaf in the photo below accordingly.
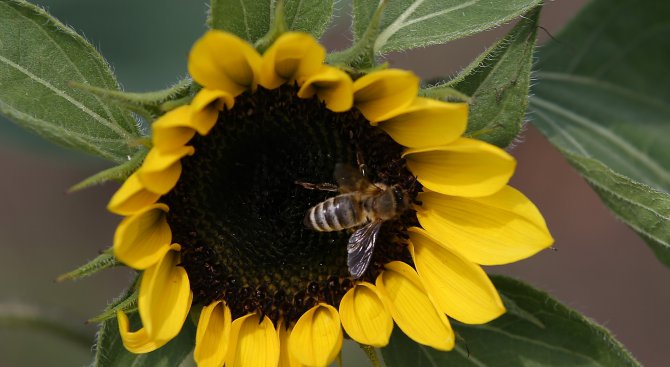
(103, 261)
(554, 336)
(311, 16)
(39, 57)
(498, 82)
(251, 20)
(109, 350)
(602, 96)
(409, 24)
(634, 203)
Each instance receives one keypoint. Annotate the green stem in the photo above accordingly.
(371, 353)
(20, 316)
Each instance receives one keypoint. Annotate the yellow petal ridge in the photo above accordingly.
(364, 317)
(213, 335)
(466, 167)
(331, 85)
(131, 197)
(401, 291)
(139, 341)
(142, 239)
(173, 129)
(286, 359)
(316, 338)
(206, 106)
(165, 297)
(458, 287)
(492, 230)
(161, 170)
(253, 343)
(380, 94)
(294, 56)
(427, 122)
(220, 60)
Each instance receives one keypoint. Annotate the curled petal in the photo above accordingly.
(213, 335)
(458, 287)
(491, 230)
(173, 130)
(400, 288)
(206, 106)
(293, 57)
(131, 197)
(136, 341)
(161, 170)
(286, 359)
(253, 343)
(316, 338)
(165, 297)
(379, 94)
(427, 122)
(331, 85)
(364, 317)
(220, 60)
(142, 239)
(466, 167)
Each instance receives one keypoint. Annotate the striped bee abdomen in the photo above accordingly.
(335, 214)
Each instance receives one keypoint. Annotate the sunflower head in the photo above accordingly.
(215, 216)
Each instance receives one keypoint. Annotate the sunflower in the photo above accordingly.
(214, 216)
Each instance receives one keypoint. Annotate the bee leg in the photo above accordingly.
(324, 186)
(361, 164)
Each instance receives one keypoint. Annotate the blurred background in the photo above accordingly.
(601, 268)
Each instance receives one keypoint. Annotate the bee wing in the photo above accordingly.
(361, 246)
(349, 179)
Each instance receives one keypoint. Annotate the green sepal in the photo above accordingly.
(149, 105)
(116, 173)
(361, 54)
(498, 82)
(127, 302)
(444, 92)
(277, 27)
(103, 261)
(537, 330)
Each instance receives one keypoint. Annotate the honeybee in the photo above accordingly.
(360, 203)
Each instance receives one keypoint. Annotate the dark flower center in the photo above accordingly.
(238, 212)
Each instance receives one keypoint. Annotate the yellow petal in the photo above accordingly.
(173, 130)
(131, 197)
(427, 122)
(331, 85)
(293, 56)
(400, 288)
(220, 60)
(286, 359)
(316, 338)
(253, 343)
(458, 287)
(165, 297)
(466, 167)
(491, 230)
(136, 341)
(213, 335)
(206, 106)
(161, 169)
(142, 239)
(364, 317)
(379, 94)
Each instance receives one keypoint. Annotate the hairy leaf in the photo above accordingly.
(536, 331)
(39, 58)
(409, 24)
(602, 97)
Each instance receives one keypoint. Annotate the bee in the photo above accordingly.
(360, 203)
